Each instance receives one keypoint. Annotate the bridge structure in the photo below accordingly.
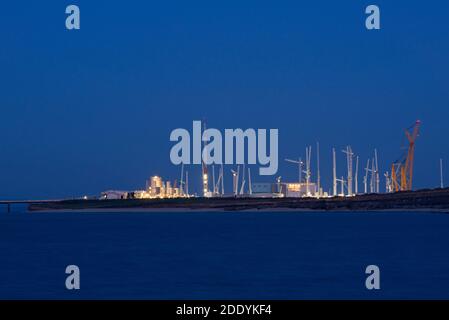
(9, 203)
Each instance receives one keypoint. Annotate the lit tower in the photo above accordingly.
(205, 180)
(205, 175)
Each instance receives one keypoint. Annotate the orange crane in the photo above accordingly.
(402, 170)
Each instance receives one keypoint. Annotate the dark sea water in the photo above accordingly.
(224, 255)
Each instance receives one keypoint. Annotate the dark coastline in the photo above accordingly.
(434, 200)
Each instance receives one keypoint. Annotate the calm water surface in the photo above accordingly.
(224, 255)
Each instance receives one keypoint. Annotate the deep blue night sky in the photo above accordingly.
(89, 110)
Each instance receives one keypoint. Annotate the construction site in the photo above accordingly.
(352, 181)
(356, 189)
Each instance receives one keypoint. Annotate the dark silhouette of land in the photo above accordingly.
(431, 200)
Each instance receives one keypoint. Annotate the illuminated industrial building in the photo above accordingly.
(292, 190)
(156, 188)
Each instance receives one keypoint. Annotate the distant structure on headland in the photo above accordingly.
(156, 188)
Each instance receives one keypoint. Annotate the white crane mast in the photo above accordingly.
(334, 171)
(365, 178)
(250, 188)
(356, 179)
(181, 191)
(349, 156)
(388, 185)
(308, 172)
(318, 181)
(377, 172)
(222, 178)
(242, 188)
(187, 184)
(214, 190)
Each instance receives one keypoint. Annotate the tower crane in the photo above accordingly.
(402, 170)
